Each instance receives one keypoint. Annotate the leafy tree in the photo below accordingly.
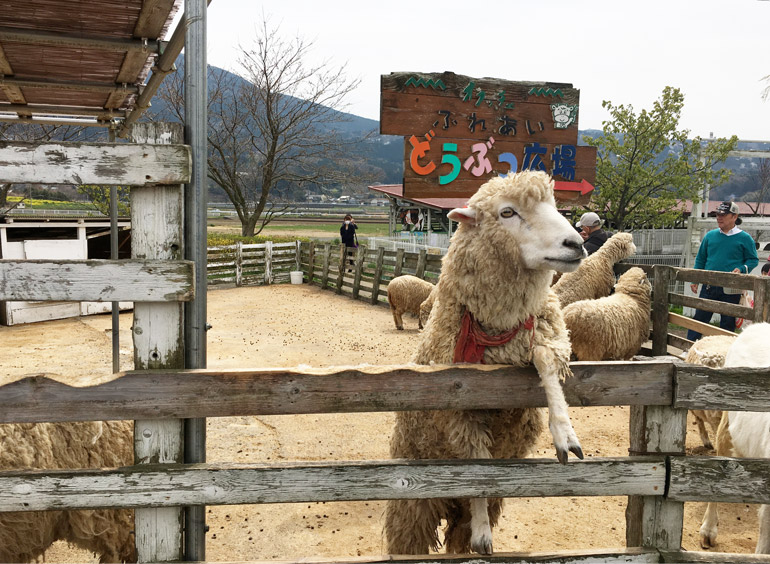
(645, 164)
(99, 198)
(275, 132)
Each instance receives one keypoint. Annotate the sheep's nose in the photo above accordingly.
(572, 244)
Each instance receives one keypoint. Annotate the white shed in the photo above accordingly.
(45, 239)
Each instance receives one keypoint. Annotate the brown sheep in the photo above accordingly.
(405, 295)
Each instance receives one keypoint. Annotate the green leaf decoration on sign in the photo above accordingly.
(435, 84)
(540, 91)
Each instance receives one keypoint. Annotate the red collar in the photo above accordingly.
(472, 340)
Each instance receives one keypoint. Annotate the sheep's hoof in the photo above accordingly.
(563, 454)
(400, 328)
(708, 539)
(482, 545)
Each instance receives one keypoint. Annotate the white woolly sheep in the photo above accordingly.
(613, 327)
(595, 277)
(25, 536)
(493, 305)
(405, 295)
(744, 434)
(709, 351)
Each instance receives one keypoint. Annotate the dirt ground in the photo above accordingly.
(289, 325)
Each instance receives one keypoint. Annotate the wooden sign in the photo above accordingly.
(461, 131)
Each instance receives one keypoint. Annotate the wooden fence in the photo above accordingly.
(254, 264)
(659, 477)
(363, 273)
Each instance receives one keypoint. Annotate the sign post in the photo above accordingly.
(461, 131)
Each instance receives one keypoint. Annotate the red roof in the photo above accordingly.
(397, 190)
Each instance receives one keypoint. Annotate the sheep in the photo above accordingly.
(744, 433)
(405, 295)
(709, 351)
(493, 304)
(613, 327)
(595, 277)
(25, 536)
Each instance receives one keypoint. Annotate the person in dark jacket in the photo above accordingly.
(591, 231)
(348, 235)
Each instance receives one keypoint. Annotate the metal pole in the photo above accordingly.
(195, 200)
(114, 256)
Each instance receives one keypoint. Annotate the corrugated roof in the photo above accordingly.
(76, 58)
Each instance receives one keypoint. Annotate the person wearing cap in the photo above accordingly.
(725, 249)
(591, 231)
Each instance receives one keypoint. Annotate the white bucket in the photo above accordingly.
(296, 276)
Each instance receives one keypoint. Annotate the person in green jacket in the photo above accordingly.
(726, 249)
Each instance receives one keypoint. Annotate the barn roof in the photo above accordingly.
(84, 61)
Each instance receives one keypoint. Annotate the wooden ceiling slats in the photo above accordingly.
(49, 47)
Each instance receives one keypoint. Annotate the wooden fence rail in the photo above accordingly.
(660, 480)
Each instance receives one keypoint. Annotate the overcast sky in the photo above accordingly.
(716, 52)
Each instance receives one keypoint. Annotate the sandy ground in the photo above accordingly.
(288, 325)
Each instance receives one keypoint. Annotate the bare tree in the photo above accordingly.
(273, 131)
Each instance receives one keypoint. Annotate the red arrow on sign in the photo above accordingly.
(584, 187)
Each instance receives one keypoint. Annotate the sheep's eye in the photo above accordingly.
(507, 212)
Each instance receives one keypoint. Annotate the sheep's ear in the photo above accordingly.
(463, 215)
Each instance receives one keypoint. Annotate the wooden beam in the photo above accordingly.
(700, 327)
(149, 25)
(224, 484)
(13, 93)
(96, 280)
(177, 393)
(720, 479)
(94, 163)
(40, 109)
(68, 85)
(732, 389)
(66, 40)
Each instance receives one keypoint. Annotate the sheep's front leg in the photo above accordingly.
(469, 433)
(551, 371)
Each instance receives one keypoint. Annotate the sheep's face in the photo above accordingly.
(517, 217)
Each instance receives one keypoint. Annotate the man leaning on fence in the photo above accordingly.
(726, 249)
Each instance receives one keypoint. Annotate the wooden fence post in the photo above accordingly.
(327, 260)
(663, 276)
(311, 262)
(762, 299)
(238, 263)
(268, 262)
(654, 521)
(157, 233)
(360, 254)
(298, 256)
(421, 261)
(399, 263)
(377, 275)
(341, 272)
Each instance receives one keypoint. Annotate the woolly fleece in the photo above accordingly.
(709, 351)
(25, 536)
(595, 277)
(483, 271)
(613, 327)
(406, 294)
